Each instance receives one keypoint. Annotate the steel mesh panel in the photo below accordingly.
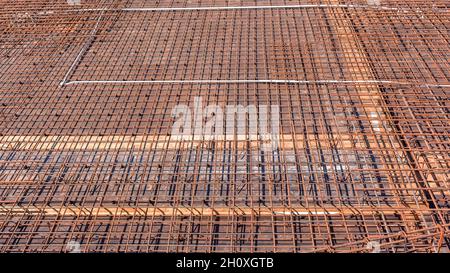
(87, 153)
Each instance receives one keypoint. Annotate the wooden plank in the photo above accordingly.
(150, 142)
(205, 211)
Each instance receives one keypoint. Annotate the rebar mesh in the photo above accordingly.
(87, 154)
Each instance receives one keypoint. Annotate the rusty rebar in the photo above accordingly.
(87, 155)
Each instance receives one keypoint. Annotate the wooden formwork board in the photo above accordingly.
(206, 211)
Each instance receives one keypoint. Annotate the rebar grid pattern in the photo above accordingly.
(87, 154)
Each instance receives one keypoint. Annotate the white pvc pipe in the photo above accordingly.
(219, 8)
(256, 7)
(255, 81)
